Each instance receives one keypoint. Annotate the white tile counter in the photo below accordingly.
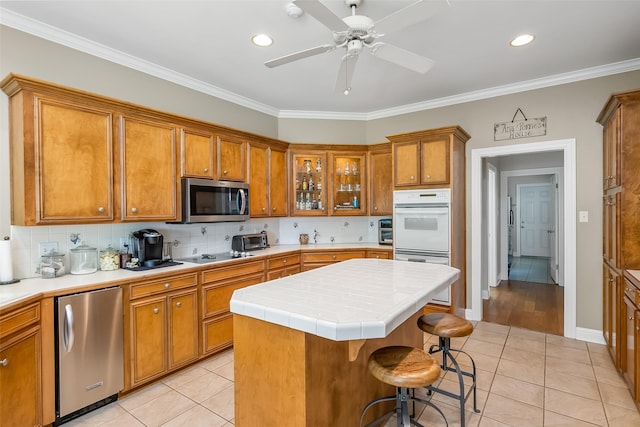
(355, 299)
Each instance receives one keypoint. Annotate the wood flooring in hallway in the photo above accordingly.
(529, 305)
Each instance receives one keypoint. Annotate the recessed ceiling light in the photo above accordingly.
(262, 40)
(522, 40)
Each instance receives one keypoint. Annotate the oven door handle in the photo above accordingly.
(421, 211)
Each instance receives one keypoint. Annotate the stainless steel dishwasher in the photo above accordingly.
(89, 359)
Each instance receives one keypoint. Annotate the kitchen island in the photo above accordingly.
(301, 343)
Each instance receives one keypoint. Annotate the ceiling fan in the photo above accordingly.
(356, 32)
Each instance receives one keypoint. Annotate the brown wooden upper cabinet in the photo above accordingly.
(267, 181)
(423, 158)
(380, 180)
(147, 173)
(197, 154)
(61, 158)
(348, 190)
(231, 158)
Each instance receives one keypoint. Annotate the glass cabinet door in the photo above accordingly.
(309, 184)
(348, 185)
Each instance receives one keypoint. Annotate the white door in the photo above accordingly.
(535, 219)
(553, 240)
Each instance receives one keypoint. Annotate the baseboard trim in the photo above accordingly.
(590, 335)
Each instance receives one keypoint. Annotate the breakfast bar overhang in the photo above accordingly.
(301, 343)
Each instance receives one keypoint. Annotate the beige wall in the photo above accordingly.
(571, 110)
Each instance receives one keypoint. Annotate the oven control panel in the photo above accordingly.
(424, 196)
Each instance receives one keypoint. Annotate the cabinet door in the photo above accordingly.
(406, 163)
(435, 161)
(231, 159)
(309, 184)
(277, 182)
(348, 184)
(148, 339)
(611, 150)
(217, 333)
(20, 381)
(183, 328)
(611, 229)
(629, 343)
(197, 152)
(75, 163)
(613, 300)
(149, 181)
(381, 169)
(259, 188)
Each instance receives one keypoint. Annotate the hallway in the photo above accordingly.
(530, 269)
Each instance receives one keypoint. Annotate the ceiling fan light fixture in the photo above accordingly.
(522, 40)
(261, 40)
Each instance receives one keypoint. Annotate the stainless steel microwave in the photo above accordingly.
(206, 200)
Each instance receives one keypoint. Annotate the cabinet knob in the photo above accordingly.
(375, 208)
(179, 304)
(156, 310)
(428, 176)
(334, 257)
(134, 210)
(101, 209)
(166, 285)
(264, 209)
(4, 362)
(284, 261)
(206, 169)
(412, 178)
(224, 172)
(274, 209)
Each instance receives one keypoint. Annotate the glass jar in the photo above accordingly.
(52, 265)
(109, 259)
(84, 259)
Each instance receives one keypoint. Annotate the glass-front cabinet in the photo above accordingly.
(309, 183)
(348, 184)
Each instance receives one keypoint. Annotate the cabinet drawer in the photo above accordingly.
(216, 297)
(217, 333)
(162, 285)
(632, 292)
(283, 261)
(18, 319)
(380, 254)
(232, 272)
(283, 272)
(331, 256)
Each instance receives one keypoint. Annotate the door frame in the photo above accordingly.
(492, 228)
(568, 147)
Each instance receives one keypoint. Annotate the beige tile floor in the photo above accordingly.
(525, 378)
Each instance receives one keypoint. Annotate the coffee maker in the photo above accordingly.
(147, 247)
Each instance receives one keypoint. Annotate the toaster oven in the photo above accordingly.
(385, 231)
(249, 242)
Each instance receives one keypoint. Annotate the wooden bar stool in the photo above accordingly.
(446, 326)
(405, 368)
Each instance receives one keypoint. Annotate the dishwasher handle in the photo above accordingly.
(68, 334)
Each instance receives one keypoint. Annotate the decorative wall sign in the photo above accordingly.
(520, 128)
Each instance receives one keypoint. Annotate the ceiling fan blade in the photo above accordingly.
(401, 57)
(419, 11)
(324, 15)
(345, 73)
(300, 55)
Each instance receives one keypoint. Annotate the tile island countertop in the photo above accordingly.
(350, 300)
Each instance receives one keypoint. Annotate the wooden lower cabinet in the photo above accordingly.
(631, 335)
(380, 254)
(283, 265)
(161, 328)
(20, 368)
(315, 259)
(612, 299)
(218, 285)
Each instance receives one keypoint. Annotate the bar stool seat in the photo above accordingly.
(446, 326)
(405, 368)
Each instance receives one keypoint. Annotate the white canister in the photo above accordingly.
(84, 259)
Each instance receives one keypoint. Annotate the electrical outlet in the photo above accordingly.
(584, 216)
(47, 247)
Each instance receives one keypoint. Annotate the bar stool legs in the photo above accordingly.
(446, 326)
(406, 368)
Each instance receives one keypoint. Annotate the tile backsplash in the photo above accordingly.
(189, 239)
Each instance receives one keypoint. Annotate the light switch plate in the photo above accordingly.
(584, 216)
(47, 247)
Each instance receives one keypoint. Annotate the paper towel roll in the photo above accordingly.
(6, 268)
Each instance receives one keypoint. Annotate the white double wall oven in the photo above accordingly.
(421, 222)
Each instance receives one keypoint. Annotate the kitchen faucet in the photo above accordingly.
(315, 236)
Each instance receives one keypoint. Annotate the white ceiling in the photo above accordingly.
(205, 45)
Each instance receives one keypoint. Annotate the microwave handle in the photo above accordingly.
(243, 199)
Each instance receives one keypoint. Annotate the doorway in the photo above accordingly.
(567, 254)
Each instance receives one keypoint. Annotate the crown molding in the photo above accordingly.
(56, 35)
